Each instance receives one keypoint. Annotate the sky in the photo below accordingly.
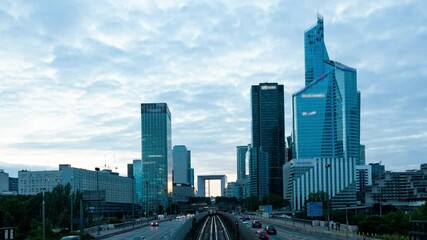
(73, 75)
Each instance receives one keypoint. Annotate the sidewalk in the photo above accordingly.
(108, 230)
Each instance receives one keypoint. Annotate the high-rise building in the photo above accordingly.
(326, 114)
(183, 174)
(181, 164)
(315, 52)
(268, 135)
(156, 159)
(241, 161)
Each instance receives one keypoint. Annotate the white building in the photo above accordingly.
(117, 189)
(33, 182)
(336, 176)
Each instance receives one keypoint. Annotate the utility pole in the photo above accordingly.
(97, 189)
(327, 189)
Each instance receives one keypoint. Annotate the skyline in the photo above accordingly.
(72, 77)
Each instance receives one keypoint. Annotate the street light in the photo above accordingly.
(97, 189)
(133, 201)
(327, 189)
(43, 216)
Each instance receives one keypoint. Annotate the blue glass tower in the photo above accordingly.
(326, 117)
(326, 112)
(315, 51)
(156, 155)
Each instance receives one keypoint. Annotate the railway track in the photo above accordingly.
(213, 228)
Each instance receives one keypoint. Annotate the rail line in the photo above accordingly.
(213, 228)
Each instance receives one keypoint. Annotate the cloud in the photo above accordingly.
(73, 73)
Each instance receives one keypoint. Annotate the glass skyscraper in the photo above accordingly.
(156, 146)
(326, 112)
(268, 135)
(241, 161)
(326, 116)
(181, 164)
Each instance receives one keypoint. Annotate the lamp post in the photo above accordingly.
(133, 201)
(44, 217)
(71, 205)
(97, 189)
(327, 190)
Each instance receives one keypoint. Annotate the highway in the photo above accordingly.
(163, 231)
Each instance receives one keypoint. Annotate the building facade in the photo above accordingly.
(117, 189)
(156, 146)
(326, 116)
(241, 161)
(181, 164)
(4, 181)
(33, 182)
(268, 136)
(331, 175)
(399, 188)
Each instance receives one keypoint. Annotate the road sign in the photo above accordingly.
(314, 209)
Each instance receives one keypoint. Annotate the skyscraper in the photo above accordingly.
(326, 112)
(326, 116)
(241, 161)
(315, 52)
(156, 146)
(181, 164)
(268, 135)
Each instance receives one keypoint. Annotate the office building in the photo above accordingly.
(363, 177)
(268, 136)
(4, 181)
(401, 189)
(241, 161)
(137, 175)
(181, 164)
(156, 146)
(258, 172)
(304, 176)
(183, 174)
(326, 114)
(33, 182)
(377, 170)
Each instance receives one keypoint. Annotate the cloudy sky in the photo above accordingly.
(73, 75)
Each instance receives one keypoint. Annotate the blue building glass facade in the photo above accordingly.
(241, 161)
(268, 133)
(156, 146)
(315, 51)
(326, 115)
(326, 112)
(137, 174)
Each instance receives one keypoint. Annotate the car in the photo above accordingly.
(271, 230)
(154, 223)
(246, 218)
(262, 235)
(257, 224)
